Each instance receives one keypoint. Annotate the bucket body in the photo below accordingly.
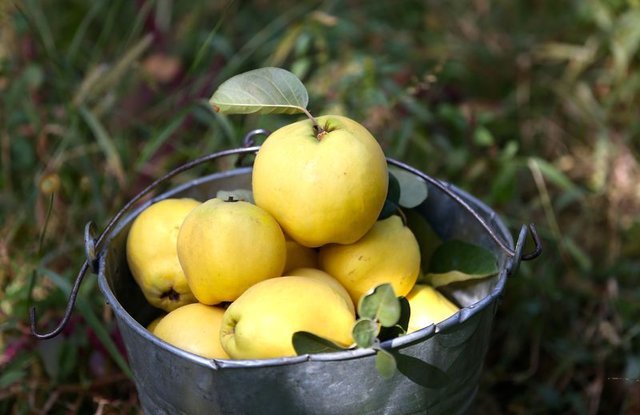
(439, 367)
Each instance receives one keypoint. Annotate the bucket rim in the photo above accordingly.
(397, 343)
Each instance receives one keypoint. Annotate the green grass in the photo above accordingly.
(530, 106)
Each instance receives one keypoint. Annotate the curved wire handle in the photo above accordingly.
(93, 244)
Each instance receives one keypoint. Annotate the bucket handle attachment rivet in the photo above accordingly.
(93, 244)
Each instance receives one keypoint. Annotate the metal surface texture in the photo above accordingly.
(439, 366)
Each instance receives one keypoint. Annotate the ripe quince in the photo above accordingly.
(152, 255)
(388, 253)
(325, 186)
(194, 328)
(428, 306)
(299, 256)
(326, 278)
(260, 324)
(225, 247)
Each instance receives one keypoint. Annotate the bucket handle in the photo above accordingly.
(94, 244)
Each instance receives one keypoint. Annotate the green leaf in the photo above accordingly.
(263, 91)
(380, 304)
(483, 137)
(15, 370)
(428, 239)
(309, 343)
(153, 144)
(401, 326)
(50, 353)
(405, 313)
(388, 209)
(456, 260)
(393, 191)
(421, 372)
(503, 185)
(385, 363)
(10, 377)
(365, 332)
(33, 75)
(579, 255)
(393, 198)
(105, 142)
(413, 189)
(552, 173)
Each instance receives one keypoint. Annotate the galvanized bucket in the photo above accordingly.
(439, 367)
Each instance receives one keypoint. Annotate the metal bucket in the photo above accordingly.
(439, 367)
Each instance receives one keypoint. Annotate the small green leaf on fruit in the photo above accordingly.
(393, 192)
(309, 343)
(428, 239)
(388, 209)
(365, 332)
(456, 261)
(413, 189)
(235, 195)
(385, 363)
(380, 304)
(400, 328)
(264, 91)
(393, 197)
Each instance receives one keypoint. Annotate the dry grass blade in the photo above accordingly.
(106, 144)
(103, 78)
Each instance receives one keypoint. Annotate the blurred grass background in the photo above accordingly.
(531, 106)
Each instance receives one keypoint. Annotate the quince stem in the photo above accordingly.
(320, 132)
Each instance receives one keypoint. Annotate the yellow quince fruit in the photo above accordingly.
(152, 255)
(326, 278)
(324, 186)
(428, 306)
(152, 325)
(299, 256)
(194, 328)
(226, 247)
(260, 324)
(388, 253)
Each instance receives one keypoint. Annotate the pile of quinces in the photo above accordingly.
(237, 278)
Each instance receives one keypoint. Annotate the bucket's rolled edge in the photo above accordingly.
(416, 336)
(399, 342)
(292, 360)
